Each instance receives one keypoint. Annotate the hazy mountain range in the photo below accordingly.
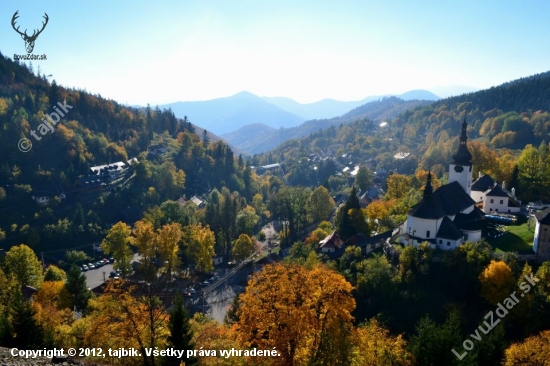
(257, 138)
(224, 115)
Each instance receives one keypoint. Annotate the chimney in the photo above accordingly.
(479, 174)
(503, 185)
(514, 192)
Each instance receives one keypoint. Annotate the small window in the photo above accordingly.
(428, 234)
(468, 183)
(448, 243)
(441, 241)
(492, 200)
(501, 202)
(496, 209)
(490, 209)
(545, 229)
(509, 211)
(470, 168)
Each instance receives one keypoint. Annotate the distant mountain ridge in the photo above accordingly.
(223, 115)
(258, 138)
(329, 108)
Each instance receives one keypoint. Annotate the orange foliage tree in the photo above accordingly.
(305, 315)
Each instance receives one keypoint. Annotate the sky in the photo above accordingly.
(139, 52)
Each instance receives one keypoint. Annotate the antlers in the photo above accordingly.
(35, 34)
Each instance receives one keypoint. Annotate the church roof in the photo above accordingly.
(449, 199)
(448, 230)
(470, 221)
(543, 217)
(483, 183)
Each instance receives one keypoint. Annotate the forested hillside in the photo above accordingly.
(94, 132)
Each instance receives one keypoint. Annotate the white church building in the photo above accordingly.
(448, 216)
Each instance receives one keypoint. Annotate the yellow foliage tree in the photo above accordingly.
(497, 282)
(533, 351)
(52, 304)
(374, 345)
(168, 240)
(305, 315)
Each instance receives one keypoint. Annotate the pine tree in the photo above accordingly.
(181, 335)
(76, 284)
(26, 332)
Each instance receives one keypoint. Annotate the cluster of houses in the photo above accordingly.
(454, 213)
(96, 181)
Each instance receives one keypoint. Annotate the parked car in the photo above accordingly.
(186, 294)
(105, 260)
(91, 266)
(84, 267)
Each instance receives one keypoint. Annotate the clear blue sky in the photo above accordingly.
(165, 51)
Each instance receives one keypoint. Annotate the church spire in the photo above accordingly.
(428, 190)
(463, 156)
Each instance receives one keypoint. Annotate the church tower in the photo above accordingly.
(460, 170)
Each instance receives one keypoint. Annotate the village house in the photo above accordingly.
(44, 192)
(491, 197)
(331, 243)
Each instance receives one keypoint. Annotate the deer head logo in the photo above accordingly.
(29, 40)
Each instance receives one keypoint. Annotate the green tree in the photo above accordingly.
(26, 332)
(181, 334)
(76, 285)
(117, 243)
(243, 248)
(24, 266)
(433, 343)
(76, 257)
(54, 273)
(320, 204)
(347, 215)
(363, 179)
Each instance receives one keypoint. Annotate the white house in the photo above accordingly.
(448, 216)
(491, 197)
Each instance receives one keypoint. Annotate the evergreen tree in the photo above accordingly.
(344, 220)
(26, 332)
(181, 335)
(76, 284)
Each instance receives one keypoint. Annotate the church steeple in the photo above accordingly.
(428, 190)
(463, 156)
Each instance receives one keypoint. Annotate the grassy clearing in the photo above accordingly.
(517, 238)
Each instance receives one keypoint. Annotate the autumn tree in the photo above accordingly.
(305, 315)
(531, 352)
(21, 263)
(198, 244)
(243, 248)
(117, 243)
(320, 204)
(497, 282)
(374, 345)
(130, 317)
(398, 186)
(53, 307)
(168, 240)
(146, 242)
